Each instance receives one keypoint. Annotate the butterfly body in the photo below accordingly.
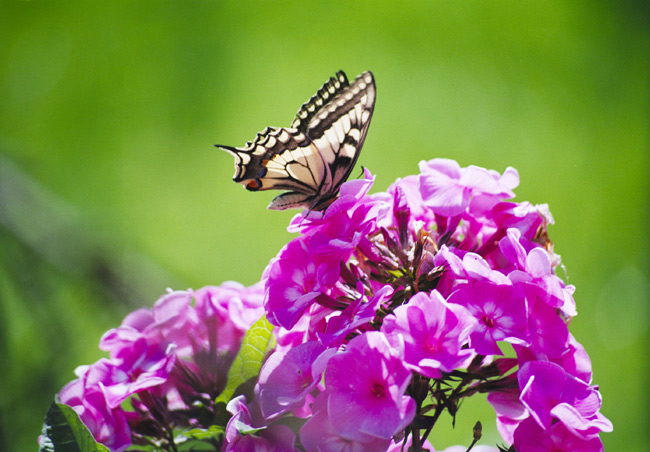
(313, 157)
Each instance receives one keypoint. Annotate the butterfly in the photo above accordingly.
(316, 154)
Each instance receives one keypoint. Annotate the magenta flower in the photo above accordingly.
(135, 369)
(500, 311)
(295, 279)
(225, 313)
(523, 216)
(357, 314)
(287, 378)
(550, 393)
(433, 333)
(406, 195)
(170, 321)
(549, 334)
(448, 189)
(341, 234)
(530, 437)
(401, 445)
(318, 435)
(442, 188)
(472, 267)
(365, 386)
(108, 426)
(535, 275)
(574, 360)
(509, 409)
(242, 436)
(175, 320)
(148, 367)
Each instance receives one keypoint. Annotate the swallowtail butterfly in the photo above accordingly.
(313, 157)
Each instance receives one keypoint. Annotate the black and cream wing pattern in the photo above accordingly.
(312, 158)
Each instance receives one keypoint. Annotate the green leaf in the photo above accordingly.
(63, 431)
(214, 431)
(248, 361)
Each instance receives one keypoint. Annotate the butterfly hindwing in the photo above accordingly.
(313, 157)
(278, 158)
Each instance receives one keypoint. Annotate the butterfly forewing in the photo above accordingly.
(340, 128)
(329, 90)
(317, 154)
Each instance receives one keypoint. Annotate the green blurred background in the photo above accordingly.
(111, 191)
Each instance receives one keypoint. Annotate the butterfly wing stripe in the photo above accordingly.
(279, 158)
(358, 103)
(347, 116)
(360, 97)
(325, 94)
(343, 164)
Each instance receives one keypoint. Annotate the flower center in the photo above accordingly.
(378, 390)
(432, 346)
(489, 321)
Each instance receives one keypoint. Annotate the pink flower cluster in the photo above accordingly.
(170, 362)
(383, 298)
(388, 308)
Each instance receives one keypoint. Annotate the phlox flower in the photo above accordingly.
(384, 306)
(365, 386)
(108, 426)
(295, 279)
(175, 321)
(171, 320)
(242, 436)
(287, 378)
(448, 189)
(523, 216)
(168, 357)
(530, 437)
(500, 311)
(433, 333)
(288, 339)
(341, 234)
(226, 312)
(471, 267)
(509, 409)
(534, 273)
(357, 314)
(574, 359)
(142, 366)
(405, 194)
(401, 445)
(549, 334)
(550, 393)
(319, 435)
